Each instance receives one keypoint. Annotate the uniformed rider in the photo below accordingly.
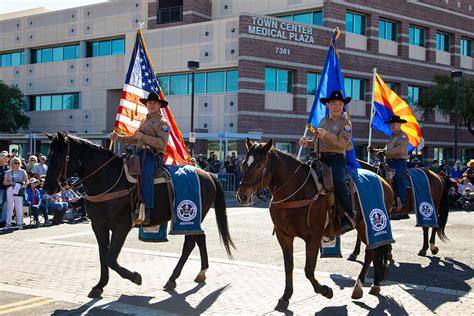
(150, 139)
(396, 154)
(334, 135)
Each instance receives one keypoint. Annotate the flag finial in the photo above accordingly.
(141, 25)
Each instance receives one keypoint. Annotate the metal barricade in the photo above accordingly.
(227, 181)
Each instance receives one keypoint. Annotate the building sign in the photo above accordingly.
(281, 30)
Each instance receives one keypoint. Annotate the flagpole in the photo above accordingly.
(301, 147)
(371, 112)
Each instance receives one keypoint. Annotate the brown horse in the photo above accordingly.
(284, 176)
(439, 191)
(100, 172)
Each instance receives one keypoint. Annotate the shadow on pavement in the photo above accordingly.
(333, 311)
(176, 303)
(386, 304)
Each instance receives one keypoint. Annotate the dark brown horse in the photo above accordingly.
(289, 182)
(439, 191)
(71, 155)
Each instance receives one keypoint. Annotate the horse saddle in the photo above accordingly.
(132, 169)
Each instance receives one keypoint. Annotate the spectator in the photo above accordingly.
(466, 200)
(463, 185)
(444, 166)
(31, 165)
(236, 163)
(194, 163)
(456, 172)
(14, 153)
(214, 164)
(435, 166)
(57, 206)
(3, 197)
(469, 173)
(453, 197)
(15, 179)
(41, 167)
(33, 198)
(228, 165)
(204, 164)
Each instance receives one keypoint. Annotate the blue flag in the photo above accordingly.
(331, 79)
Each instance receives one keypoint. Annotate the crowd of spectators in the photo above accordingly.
(212, 164)
(21, 185)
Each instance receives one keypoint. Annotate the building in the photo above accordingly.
(260, 62)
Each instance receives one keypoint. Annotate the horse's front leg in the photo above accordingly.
(312, 250)
(119, 234)
(356, 252)
(189, 244)
(357, 292)
(433, 248)
(425, 242)
(286, 244)
(102, 236)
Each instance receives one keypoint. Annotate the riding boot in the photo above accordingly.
(146, 221)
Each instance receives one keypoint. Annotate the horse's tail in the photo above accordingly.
(221, 218)
(381, 259)
(443, 210)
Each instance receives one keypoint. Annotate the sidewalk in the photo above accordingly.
(36, 263)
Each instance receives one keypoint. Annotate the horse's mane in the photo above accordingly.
(280, 153)
(81, 142)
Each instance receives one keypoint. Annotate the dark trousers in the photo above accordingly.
(150, 164)
(338, 166)
(400, 165)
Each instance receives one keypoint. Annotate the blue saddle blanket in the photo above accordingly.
(422, 200)
(372, 203)
(186, 213)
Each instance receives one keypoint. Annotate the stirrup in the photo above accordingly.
(139, 215)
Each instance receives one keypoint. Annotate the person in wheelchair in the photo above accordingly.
(151, 139)
(34, 200)
(396, 154)
(334, 137)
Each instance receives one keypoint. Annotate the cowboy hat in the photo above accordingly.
(33, 181)
(153, 96)
(395, 119)
(336, 95)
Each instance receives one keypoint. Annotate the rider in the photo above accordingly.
(334, 135)
(396, 152)
(151, 139)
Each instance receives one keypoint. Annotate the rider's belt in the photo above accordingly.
(331, 155)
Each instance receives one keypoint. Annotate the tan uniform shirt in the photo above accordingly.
(397, 146)
(156, 130)
(338, 138)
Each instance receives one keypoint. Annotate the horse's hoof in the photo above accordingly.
(352, 257)
(201, 277)
(282, 305)
(390, 257)
(422, 253)
(434, 250)
(137, 279)
(169, 286)
(357, 293)
(95, 293)
(375, 290)
(327, 292)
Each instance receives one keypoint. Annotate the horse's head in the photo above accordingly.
(62, 162)
(256, 173)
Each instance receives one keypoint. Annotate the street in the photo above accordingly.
(50, 270)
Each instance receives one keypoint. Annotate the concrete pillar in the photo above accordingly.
(83, 49)
(27, 58)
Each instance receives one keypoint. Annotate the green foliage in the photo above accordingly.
(12, 117)
(442, 96)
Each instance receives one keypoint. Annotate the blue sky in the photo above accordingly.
(8, 6)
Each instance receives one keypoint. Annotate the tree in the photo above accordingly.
(12, 117)
(442, 96)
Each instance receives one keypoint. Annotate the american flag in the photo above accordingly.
(140, 81)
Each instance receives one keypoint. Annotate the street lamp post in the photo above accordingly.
(456, 75)
(193, 65)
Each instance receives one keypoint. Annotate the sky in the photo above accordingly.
(8, 6)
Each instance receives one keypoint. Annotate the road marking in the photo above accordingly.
(25, 304)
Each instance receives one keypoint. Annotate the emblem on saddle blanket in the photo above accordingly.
(186, 210)
(378, 219)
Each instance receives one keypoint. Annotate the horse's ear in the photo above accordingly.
(249, 143)
(268, 145)
(61, 138)
(50, 137)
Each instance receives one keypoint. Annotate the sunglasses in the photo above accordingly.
(16, 163)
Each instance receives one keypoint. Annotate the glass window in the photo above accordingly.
(413, 95)
(36, 56)
(57, 102)
(45, 102)
(78, 51)
(284, 81)
(287, 17)
(37, 103)
(118, 46)
(355, 88)
(68, 101)
(95, 49)
(318, 18)
(416, 36)
(6, 60)
(46, 55)
(312, 83)
(16, 59)
(355, 23)
(442, 42)
(392, 86)
(349, 22)
(387, 30)
(57, 53)
(104, 48)
(270, 79)
(303, 18)
(164, 84)
(466, 49)
(215, 82)
(178, 85)
(69, 52)
(199, 83)
(232, 81)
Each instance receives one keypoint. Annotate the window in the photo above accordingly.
(440, 154)
(355, 88)
(6, 60)
(284, 147)
(106, 47)
(199, 83)
(59, 53)
(312, 83)
(204, 82)
(278, 80)
(54, 102)
(169, 11)
(413, 95)
(178, 84)
(215, 81)
(416, 36)
(164, 83)
(232, 81)
(118, 46)
(69, 52)
(312, 17)
(46, 55)
(387, 30)
(466, 49)
(442, 42)
(392, 86)
(12, 59)
(355, 23)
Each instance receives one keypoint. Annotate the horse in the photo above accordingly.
(439, 187)
(283, 174)
(102, 174)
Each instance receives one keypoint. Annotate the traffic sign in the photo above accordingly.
(192, 137)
